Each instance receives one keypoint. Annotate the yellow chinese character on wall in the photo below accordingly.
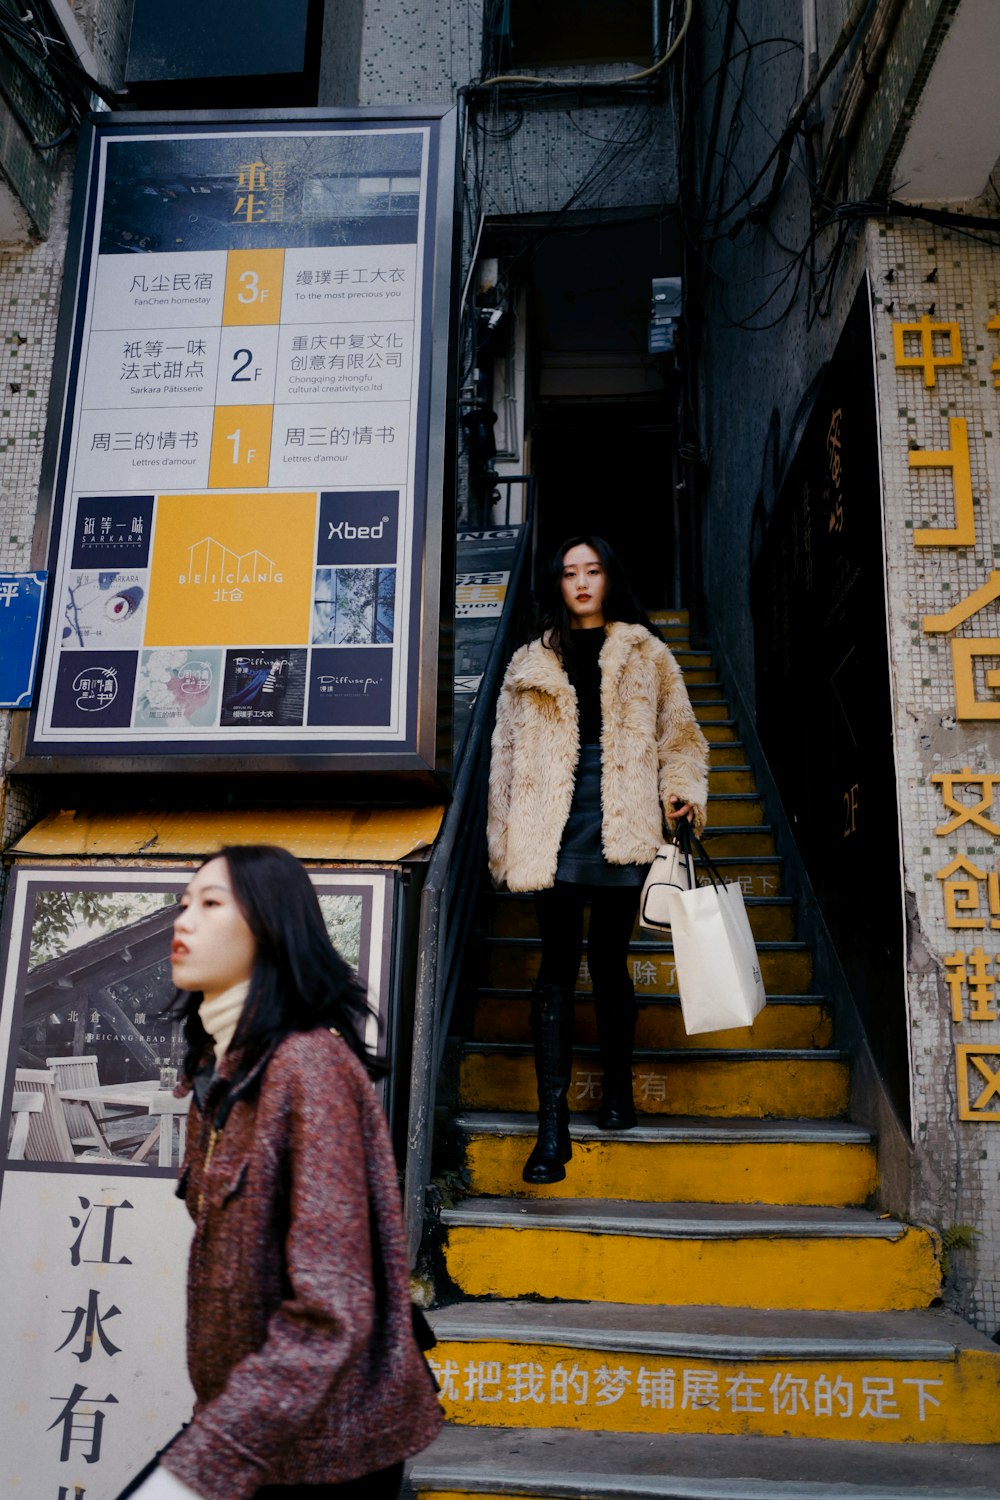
(937, 345)
(973, 1067)
(966, 895)
(970, 971)
(965, 812)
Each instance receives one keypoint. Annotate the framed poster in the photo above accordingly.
(247, 469)
(93, 1242)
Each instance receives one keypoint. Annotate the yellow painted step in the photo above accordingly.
(869, 1383)
(707, 713)
(733, 810)
(787, 1022)
(723, 777)
(512, 963)
(739, 843)
(757, 876)
(832, 1165)
(690, 1254)
(771, 919)
(713, 1085)
(702, 686)
(719, 733)
(724, 752)
(699, 676)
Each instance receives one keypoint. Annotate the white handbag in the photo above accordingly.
(672, 869)
(718, 970)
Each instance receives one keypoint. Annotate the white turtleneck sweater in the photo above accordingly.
(220, 1015)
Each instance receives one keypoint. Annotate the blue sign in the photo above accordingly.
(22, 596)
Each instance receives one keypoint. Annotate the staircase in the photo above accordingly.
(704, 1308)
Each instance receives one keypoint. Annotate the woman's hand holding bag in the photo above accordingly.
(718, 971)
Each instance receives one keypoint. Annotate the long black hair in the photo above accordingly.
(620, 603)
(299, 980)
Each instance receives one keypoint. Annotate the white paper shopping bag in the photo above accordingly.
(718, 970)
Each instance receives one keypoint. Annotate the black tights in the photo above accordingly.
(560, 921)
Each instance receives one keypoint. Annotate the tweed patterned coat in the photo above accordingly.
(651, 746)
(300, 1340)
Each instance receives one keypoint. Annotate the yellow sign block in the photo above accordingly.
(978, 1063)
(253, 287)
(956, 459)
(241, 447)
(231, 570)
(938, 345)
(964, 655)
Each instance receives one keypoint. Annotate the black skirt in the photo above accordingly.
(581, 857)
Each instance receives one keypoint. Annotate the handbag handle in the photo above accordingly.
(694, 851)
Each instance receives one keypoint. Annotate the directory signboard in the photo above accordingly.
(246, 503)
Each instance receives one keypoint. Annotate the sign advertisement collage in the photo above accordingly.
(93, 1240)
(241, 500)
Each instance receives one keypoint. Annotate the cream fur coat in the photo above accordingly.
(651, 747)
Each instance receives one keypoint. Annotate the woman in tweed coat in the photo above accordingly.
(300, 1337)
(595, 748)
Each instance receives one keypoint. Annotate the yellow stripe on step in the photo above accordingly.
(848, 1274)
(868, 1400)
(715, 1087)
(828, 1174)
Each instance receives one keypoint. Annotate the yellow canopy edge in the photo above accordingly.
(367, 834)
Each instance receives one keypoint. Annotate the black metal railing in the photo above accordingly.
(506, 480)
(453, 882)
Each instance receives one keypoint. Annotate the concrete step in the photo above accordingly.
(587, 1249)
(730, 776)
(823, 1163)
(554, 1464)
(667, 618)
(739, 843)
(772, 918)
(724, 752)
(512, 963)
(757, 875)
(734, 809)
(787, 1021)
(714, 1084)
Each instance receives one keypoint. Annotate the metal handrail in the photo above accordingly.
(446, 901)
(508, 480)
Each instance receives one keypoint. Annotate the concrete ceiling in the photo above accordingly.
(954, 139)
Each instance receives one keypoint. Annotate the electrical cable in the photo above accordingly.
(780, 154)
(562, 84)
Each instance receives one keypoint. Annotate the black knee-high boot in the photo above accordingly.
(616, 1014)
(552, 1035)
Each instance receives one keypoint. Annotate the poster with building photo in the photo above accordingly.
(93, 1241)
(247, 463)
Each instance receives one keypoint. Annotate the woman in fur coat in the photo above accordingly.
(595, 748)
